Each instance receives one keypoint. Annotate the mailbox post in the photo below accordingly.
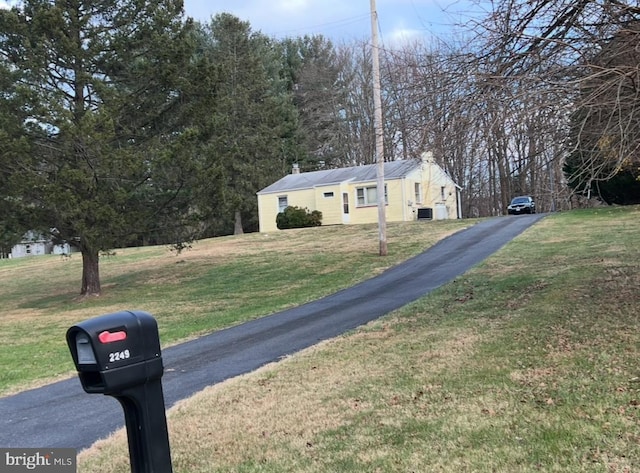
(119, 355)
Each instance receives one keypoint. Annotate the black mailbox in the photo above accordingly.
(119, 355)
(116, 351)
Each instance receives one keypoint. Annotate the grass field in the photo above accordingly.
(528, 363)
(219, 282)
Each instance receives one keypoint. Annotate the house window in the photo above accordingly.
(418, 192)
(369, 195)
(282, 203)
(328, 195)
(442, 193)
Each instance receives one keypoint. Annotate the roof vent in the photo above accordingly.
(296, 169)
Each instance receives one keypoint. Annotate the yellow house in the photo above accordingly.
(414, 189)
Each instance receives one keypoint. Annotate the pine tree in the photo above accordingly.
(94, 88)
(248, 121)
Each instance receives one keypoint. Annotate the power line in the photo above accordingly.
(324, 26)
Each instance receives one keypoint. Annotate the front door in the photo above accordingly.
(345, 207)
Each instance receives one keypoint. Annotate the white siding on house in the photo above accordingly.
(34, 244)
(64, 249)
(29, 249)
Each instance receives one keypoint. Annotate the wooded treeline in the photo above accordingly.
(126, 123)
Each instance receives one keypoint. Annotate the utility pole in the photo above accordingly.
(377, 125)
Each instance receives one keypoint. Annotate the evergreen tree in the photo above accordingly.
(93, 90)
(316, 77)
(248, 122)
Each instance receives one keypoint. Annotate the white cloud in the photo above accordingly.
(403, 36)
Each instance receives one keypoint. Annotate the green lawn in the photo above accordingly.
(527, 363)
(220, 282)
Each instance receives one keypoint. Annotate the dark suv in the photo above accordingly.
(522, 205)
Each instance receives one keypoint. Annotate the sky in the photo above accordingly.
(339, 20)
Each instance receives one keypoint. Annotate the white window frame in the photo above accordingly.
(365, 199)
(418, 192)
(281, 199)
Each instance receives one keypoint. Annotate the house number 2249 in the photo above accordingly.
(119, 356)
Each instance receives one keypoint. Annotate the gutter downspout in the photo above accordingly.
(404, 199)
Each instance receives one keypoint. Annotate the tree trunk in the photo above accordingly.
(90, 272)
(237, 228)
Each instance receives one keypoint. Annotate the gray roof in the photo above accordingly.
(309, 180)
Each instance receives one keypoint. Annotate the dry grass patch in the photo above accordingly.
(284, 410)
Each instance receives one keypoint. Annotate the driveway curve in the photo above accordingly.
(63, 415)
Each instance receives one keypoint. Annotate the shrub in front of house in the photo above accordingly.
(297, 217)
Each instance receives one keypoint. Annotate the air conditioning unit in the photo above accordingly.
(425, 213)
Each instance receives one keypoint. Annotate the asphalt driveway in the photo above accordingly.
(63, 415)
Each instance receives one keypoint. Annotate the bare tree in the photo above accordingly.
(491, 136)
(584, 54)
